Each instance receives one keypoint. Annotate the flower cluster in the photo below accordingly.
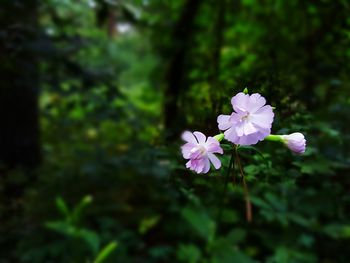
(250, 122)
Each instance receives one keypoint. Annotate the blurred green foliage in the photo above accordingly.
(104, 70)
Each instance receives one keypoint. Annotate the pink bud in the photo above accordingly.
(295, 142)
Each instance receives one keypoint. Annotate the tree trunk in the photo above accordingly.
(176, 73)
(19, 126)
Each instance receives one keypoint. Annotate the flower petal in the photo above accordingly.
(231, 135)
(239, 129)
(214, 160)
(186, 149)
(188, 136)
(253, 138)
(200, 137)
(224, 122)
(240, 102)
(213, 145)
(199, 165)
(263, 117)
(256, 101)
(249, 139)
(213, 148)
(248, 128)
(206, 165)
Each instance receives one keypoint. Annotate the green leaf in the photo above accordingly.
(200, 222)
(337, 231)
(105, 252)
(161, 252)
(236, 236)
(229, 216)
(62, 207)
(188, 253)
(78, 210)
(147, 223)
(229, 255)
(90, 237)
(62, 228)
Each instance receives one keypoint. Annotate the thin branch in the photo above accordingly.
(249, 213)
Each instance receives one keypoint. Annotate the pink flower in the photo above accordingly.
(200, 150)
(295, 142)
(250, 122)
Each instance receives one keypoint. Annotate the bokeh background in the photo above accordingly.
(95, 94)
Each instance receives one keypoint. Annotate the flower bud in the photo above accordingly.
(295, 142)
(219, 137)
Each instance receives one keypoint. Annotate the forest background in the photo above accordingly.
(95, 94)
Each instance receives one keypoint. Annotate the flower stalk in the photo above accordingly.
(274, 138)
(249, 212)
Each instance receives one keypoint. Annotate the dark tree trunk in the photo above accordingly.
(217, 86)
(176, 73)
(19, 127)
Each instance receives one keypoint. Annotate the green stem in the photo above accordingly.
(274, 138)
(249, 213)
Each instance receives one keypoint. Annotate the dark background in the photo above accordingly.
(95, 94)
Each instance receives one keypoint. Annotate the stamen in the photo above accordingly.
(245, 117)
